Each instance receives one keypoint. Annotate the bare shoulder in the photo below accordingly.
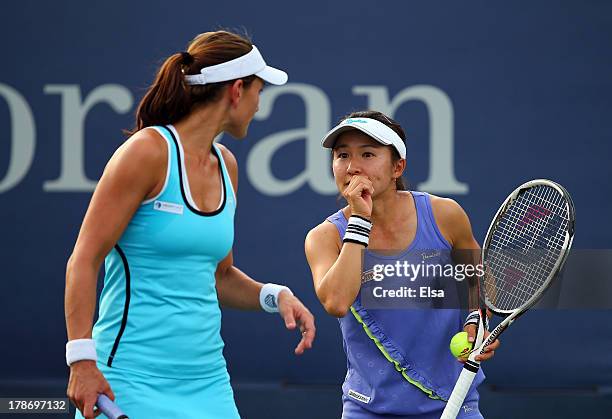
(228, 157)
(451, 219)
(145, 147)
(230, 162)
(139, 165)
(323, 235)
(324, 230)
(446, 208)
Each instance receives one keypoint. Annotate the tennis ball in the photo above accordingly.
(459, 345)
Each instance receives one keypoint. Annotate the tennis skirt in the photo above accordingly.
(352, 410)
(143, 396)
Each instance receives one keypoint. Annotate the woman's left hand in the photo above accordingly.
(295, 314)
(489, 351)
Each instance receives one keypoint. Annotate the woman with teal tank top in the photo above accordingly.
(162, 221)
(398, 359)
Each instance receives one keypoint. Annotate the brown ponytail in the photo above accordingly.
(170, 98)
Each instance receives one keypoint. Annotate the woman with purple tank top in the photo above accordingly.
(398, 362)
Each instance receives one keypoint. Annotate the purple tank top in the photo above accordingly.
(398, 359)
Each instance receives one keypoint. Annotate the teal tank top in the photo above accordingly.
(158, 311)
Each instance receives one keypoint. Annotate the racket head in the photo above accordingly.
(526, 245)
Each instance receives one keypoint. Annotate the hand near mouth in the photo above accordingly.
(358, 194)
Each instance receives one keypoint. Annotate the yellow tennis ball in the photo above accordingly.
(459, 345)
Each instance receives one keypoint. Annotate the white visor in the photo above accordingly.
(373, 128)
(248, 64)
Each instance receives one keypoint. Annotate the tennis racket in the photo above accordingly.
(525, 247)
(109, 408)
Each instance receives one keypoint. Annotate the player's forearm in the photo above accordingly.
(80, 298)
(340, 285)
(235, 289)
(469, 257)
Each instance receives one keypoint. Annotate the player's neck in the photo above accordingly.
(388, 207)
(199, 129)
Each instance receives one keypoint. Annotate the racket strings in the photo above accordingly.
(525, 246)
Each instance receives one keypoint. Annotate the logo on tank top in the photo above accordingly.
(431, 254)
(170, 207)
(367, 276)
(358, 396)
(466, 408)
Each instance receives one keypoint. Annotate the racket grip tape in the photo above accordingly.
(459, 392)
(109, 408)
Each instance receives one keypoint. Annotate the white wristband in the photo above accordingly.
(80, 349)
(268, 296)
(357, 230)
(474, 318)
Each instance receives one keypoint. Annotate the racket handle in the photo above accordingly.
(459, 392)
(110, 409)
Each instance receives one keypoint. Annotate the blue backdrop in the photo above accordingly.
(490, 95)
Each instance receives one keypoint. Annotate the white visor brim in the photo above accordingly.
(273, 76)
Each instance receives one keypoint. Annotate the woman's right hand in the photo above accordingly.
(85, 384)
(358, 194)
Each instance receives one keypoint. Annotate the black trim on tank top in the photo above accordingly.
(180, 167)
(126, 307)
